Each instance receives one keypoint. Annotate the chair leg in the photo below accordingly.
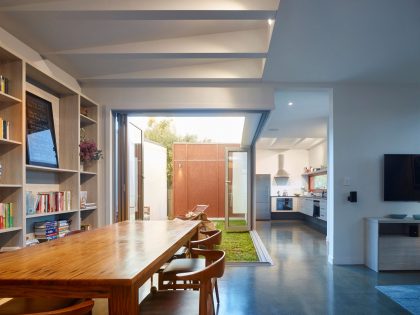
(216, 288)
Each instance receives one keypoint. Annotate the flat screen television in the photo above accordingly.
(402, 177)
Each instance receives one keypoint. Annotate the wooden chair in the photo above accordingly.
(197, 213)
(47, 306)
(167, 277)
(177, 302)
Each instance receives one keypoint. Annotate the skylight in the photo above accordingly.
(207, 129)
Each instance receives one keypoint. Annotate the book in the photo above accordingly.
(10, 205)
(5, 134)
(1, 216)
(6, 217)
(46, 202)
(83, 199)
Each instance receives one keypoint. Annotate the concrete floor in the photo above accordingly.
(301, 280)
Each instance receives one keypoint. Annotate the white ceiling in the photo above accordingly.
(375, 41)
(121, 40)
(300, 126)
(312, 41)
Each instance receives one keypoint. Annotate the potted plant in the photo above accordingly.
(89, 152)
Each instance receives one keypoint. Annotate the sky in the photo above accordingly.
(217, 129)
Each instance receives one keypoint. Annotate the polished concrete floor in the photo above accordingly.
(301, 280)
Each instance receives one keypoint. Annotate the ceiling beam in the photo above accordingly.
(129, 5)
(159, 14)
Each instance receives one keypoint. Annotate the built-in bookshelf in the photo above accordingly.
(88, 175)
(71, 112)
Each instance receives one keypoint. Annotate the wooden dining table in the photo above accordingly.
(109, 262)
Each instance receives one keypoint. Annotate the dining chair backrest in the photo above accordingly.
(214, 237)
(215, 268)
(43, 306)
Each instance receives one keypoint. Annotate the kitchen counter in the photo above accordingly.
(314, 197)
(309, 197)
(275, 196)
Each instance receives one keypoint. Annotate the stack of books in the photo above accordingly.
(6, 215)
(63, 227)
(47, 202)
(4, 129)
(50, 230)
(90, 205)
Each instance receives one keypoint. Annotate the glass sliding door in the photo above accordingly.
(238, 190)
(128, 170)
(135, 172)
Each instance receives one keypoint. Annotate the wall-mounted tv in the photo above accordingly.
(402, 177)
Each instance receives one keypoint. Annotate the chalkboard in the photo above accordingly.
(41, 147)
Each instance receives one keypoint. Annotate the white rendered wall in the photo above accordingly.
(155, 180)
(369, 121)
(318, 155)
(294, 162)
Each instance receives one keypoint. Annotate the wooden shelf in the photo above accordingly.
(8, 141)
(30, 216)
(10, 186)
(35, 168)
(86, 121)
(7, 99)
(87, 173)
(12, 229)
(88, 209)
(321, 171)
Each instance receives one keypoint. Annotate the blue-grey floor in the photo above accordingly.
(301, 280)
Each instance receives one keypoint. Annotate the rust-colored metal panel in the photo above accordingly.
(201, 178)
(180, 201)
(180, 151)
(202, 185)
(202, 152)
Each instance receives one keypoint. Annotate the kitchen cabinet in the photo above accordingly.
(307, 206)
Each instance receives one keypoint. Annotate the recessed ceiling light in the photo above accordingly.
(270, 21)
(290, 103)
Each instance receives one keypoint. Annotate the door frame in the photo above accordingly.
(110, 144)
(120, 168)
(249, 225)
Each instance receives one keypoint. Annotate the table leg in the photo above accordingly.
(123, 300)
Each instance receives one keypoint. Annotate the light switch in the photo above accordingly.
(346, 181)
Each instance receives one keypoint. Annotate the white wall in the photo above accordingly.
(294, 163)
(155, 180)
(368, 121)
(318, 155)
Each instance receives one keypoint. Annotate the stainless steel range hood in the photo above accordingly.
(281, 173)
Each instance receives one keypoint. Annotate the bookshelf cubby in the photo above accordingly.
(71, 111)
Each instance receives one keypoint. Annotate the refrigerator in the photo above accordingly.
(263, 192)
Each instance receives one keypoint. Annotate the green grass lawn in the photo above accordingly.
(237, 245)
